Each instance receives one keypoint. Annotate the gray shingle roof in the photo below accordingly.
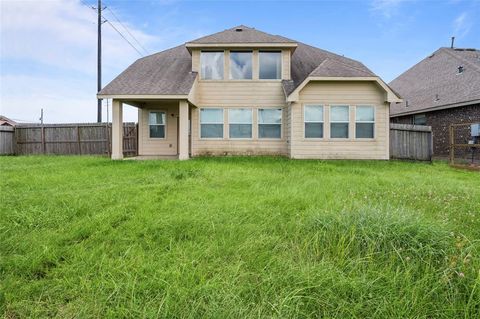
(308, 60)
(169, 72)
(435, 81)
(164, 73)
(246, 35)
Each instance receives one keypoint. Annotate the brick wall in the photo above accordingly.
(440, 121)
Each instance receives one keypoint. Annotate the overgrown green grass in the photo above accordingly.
(237, 237)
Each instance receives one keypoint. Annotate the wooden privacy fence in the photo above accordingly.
(7, 137)
(72, 139)
(412, 142)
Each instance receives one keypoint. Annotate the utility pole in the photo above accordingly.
(99, 60)
(41, 116)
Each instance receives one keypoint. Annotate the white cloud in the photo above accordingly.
(386, 8)
(48, 55)
(61, 34)
(462, 25)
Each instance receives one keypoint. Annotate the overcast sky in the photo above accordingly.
(48, 48)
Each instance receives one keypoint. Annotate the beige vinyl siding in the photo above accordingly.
(341, 93)
(239, 94)
(156, 146)
(196, 60)
(288, 127)
(286, 64)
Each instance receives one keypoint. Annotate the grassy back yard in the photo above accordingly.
(237, 237)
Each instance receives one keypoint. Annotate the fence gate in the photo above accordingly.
(7, 136)
(130, 139)
(465, 145)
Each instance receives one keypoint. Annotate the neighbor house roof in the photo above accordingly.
(6, 121)
(436, 83)
(169, 72)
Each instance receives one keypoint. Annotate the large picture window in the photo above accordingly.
(313, 118)
(211, 123)
(240, 123)
(364, 121)
(339, 118)
(270, 123)
(240, 65)
(270, 65)
(211, 65)
(156, 124)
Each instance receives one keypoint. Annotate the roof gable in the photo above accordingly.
(435, 82)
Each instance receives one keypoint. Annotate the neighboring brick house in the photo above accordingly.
(440, 90)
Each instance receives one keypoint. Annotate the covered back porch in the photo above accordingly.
(163, 127)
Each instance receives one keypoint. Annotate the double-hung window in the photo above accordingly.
(240, 123)
(269, 123)
(419, 119)
(241, 65)
(270, 64)
(156, 124)
(211, 123)
(211, 64)
(339, 120)
(364, 121)
(313, 118)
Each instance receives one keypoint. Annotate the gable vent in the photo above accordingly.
(238, 30)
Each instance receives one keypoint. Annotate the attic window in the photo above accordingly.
(460, 69)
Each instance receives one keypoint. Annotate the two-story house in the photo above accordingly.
(245, 92)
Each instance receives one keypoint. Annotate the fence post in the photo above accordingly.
(43, 140)
(78, 141)
(108, 139)
(452, 149)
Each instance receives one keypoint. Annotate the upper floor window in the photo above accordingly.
(270, 64)
(269, 123)
(211, 123)
(364, 121)
(240, 65)
(313, 117)
(156, 124)
(339, 120)
(211, 65)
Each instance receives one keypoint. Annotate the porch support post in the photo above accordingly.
(117, 130)
(183, 131)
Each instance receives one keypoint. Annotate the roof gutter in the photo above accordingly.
(142, 96)
(436, 108)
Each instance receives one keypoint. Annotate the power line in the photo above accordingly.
(106, 20)
(123, 37)
(128, 31)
